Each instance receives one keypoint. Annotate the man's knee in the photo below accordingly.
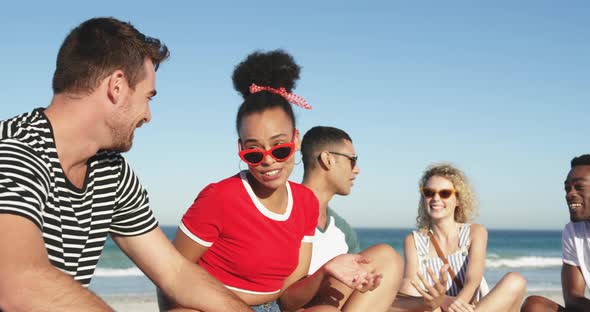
(539, 304)
(384, 256)
(382, 251)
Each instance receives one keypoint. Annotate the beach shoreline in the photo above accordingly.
(132, 302)
(148, 302)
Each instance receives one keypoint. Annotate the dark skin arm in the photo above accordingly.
(573, 285)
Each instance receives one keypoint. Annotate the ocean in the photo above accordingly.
(536, 254)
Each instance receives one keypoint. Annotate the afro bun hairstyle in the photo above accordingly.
(275, 69)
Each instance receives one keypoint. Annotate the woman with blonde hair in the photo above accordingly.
(445, 256)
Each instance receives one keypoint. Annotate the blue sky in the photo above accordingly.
(500, 89)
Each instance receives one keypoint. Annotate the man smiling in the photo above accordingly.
(575, 271)
(64, 186)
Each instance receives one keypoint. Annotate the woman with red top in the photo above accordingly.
(253, 231)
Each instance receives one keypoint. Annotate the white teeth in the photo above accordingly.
(271, 173)
(575, 205)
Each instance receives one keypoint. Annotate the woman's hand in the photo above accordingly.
(455, 304)
(350, 269)
(434, 296)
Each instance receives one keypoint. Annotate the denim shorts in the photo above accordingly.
(267, 307)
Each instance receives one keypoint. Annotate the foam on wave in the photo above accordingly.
(523, 262)
(118, 272)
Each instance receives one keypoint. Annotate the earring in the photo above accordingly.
(299, 161)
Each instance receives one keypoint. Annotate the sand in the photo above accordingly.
(133, 303)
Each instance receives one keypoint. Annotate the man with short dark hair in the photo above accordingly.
(330, 167)
(575, 271)
(64, 185)
(329, 162)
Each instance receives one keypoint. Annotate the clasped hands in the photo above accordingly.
(435, 295)
(353, 270)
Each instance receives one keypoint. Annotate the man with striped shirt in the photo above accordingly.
(64, 185)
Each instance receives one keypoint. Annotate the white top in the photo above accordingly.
(575, 245)
(327, 245)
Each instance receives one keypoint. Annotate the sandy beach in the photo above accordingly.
(133, 303)
(148, 303)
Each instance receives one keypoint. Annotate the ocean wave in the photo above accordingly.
(103, 272)
(524, 262)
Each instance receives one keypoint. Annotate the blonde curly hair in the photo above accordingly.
(466, 202)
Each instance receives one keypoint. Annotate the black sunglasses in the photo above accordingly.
(353, 158)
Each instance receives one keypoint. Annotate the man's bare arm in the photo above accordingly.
(28, 281)
(186, 283)
(573, 284)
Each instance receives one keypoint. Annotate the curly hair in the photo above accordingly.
(275, 69)
(466, 202)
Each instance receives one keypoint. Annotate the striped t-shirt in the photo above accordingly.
(74, 221)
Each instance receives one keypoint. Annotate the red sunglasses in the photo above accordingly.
(279, 152)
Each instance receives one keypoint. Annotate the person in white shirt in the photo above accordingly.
(575, 271)
(330, 168)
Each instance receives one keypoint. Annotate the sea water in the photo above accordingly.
(536, 254)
